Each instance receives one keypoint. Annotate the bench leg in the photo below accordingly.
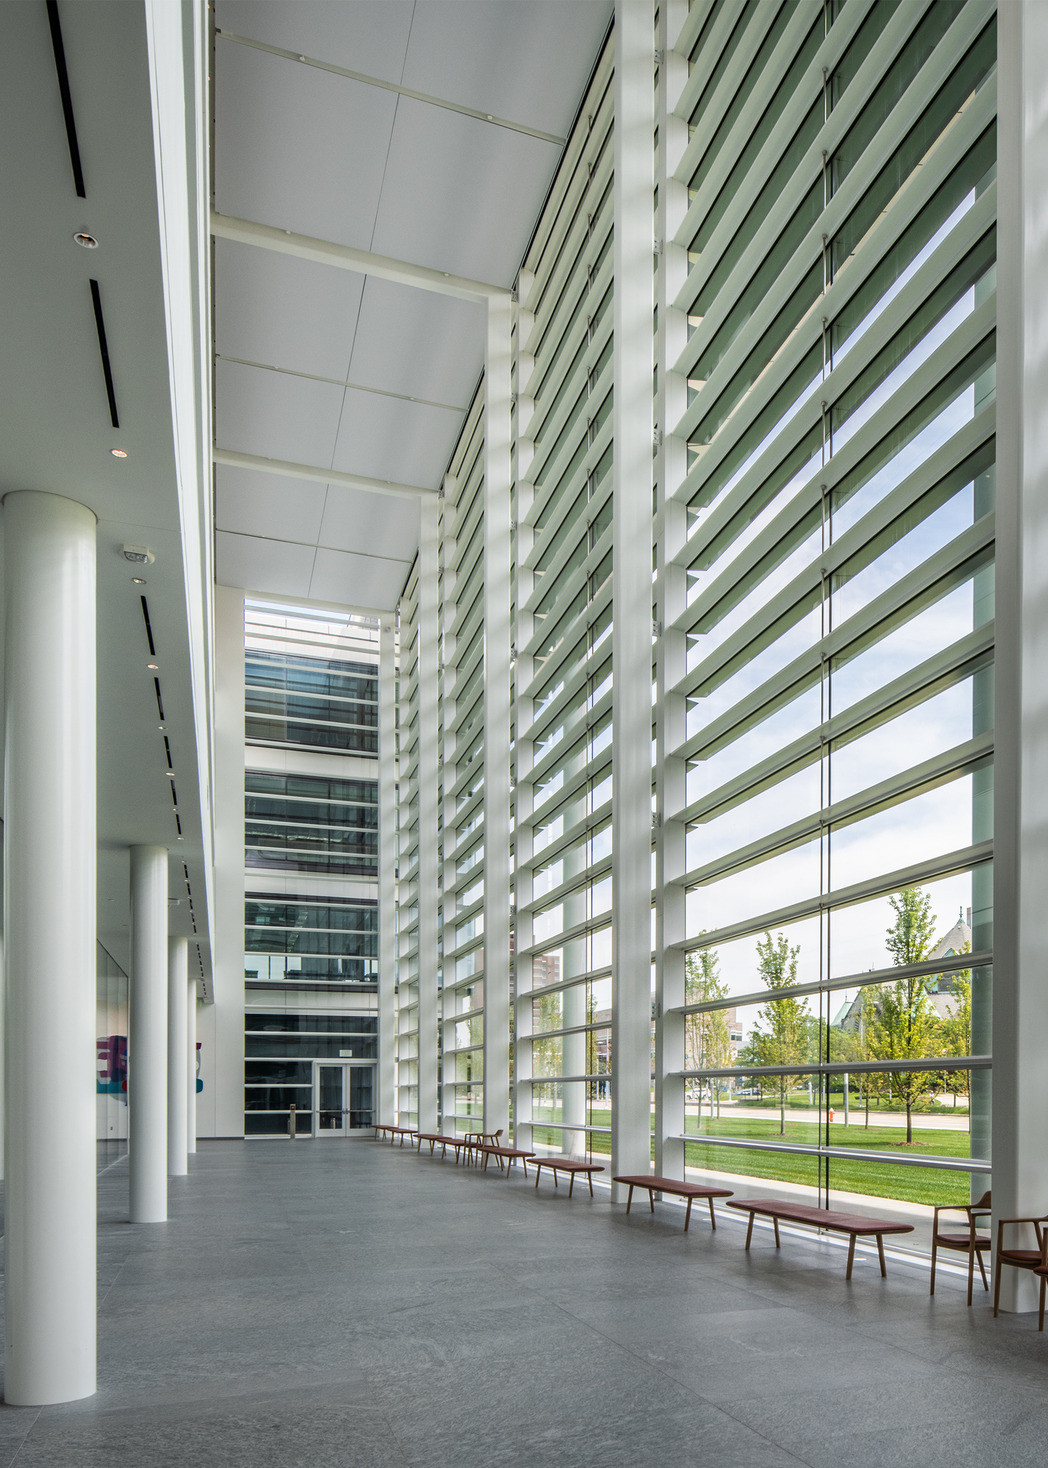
(687, 1214)
(749, 1231)
(713, 1221)
(555, 1182)
(775, 1226)
(880, 1255)
(538, 1173)
(589, 1179)
(651, 1198)
(629, 1201)
(571, 1185)
(851, 1257)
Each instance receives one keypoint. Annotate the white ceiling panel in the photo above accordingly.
(268, 505)
(380, 524)
(297, 147)
(460, 195)
(272, 566)
(315, 152)
(369, 36)
(283, 311)
(524, 60)
(418, 343)
(388, 438)
(358, 580)
(276, 415)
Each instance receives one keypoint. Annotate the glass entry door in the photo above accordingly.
(344, 1097)
(329, 1090)
(361, 1096)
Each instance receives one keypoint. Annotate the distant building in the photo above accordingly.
(939, 986)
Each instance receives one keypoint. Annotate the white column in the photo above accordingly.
(670, 603)
(524, 749)
(1020, 1006)
(498, 589)
(631, 636)
(147, 1038)
(177, 1025)
(387, 872)
(191, 1066)
(49, 905)
(428, 810)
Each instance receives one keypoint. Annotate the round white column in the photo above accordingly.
(191, 1075)
(49, 903)
(177, 1073)
(147, 1038)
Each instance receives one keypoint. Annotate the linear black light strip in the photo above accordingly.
(149, 626)
(159, 700)
(58, 47)
(103, 348)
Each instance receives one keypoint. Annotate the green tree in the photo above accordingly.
(706, 1038)
(956, 1029)
(903, 1024)
(783, 1034)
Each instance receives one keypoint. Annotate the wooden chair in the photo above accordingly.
(476, 1140)
(1035, 1259)
(971, 1242)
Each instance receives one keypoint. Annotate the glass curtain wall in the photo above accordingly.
(563, 674)
(334, 939)
(297, 695)
(836, 556)
(824, 645)
(311, 823)
(310, 849)
(111, 993)
(462, 778)
(407, 855)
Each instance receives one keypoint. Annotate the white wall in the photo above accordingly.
(220, 1026)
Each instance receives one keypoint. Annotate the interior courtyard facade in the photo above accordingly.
(525, 606)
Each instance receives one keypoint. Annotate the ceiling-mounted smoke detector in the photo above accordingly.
(138, 555)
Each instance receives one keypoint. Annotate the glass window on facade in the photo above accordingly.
(315, 1068)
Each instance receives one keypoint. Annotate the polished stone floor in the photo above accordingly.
(319, 1304)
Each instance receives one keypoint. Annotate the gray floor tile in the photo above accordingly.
(360, 1306)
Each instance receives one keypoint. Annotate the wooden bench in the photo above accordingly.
(435, 1139)
(572, 1166)
(394, 1132)
(678, 1189)
(507, 1154)
(855, 1225)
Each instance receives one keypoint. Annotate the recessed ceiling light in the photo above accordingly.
(119, 453)
(170, 774)
(153, 667)
(138, 580)
(85, 240)
(161, 728)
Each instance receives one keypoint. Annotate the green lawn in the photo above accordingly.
(875, 1179)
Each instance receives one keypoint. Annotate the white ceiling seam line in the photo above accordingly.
(346, 257)
(381, 392)
(314, 546)
(232, 459)
(375, 81)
